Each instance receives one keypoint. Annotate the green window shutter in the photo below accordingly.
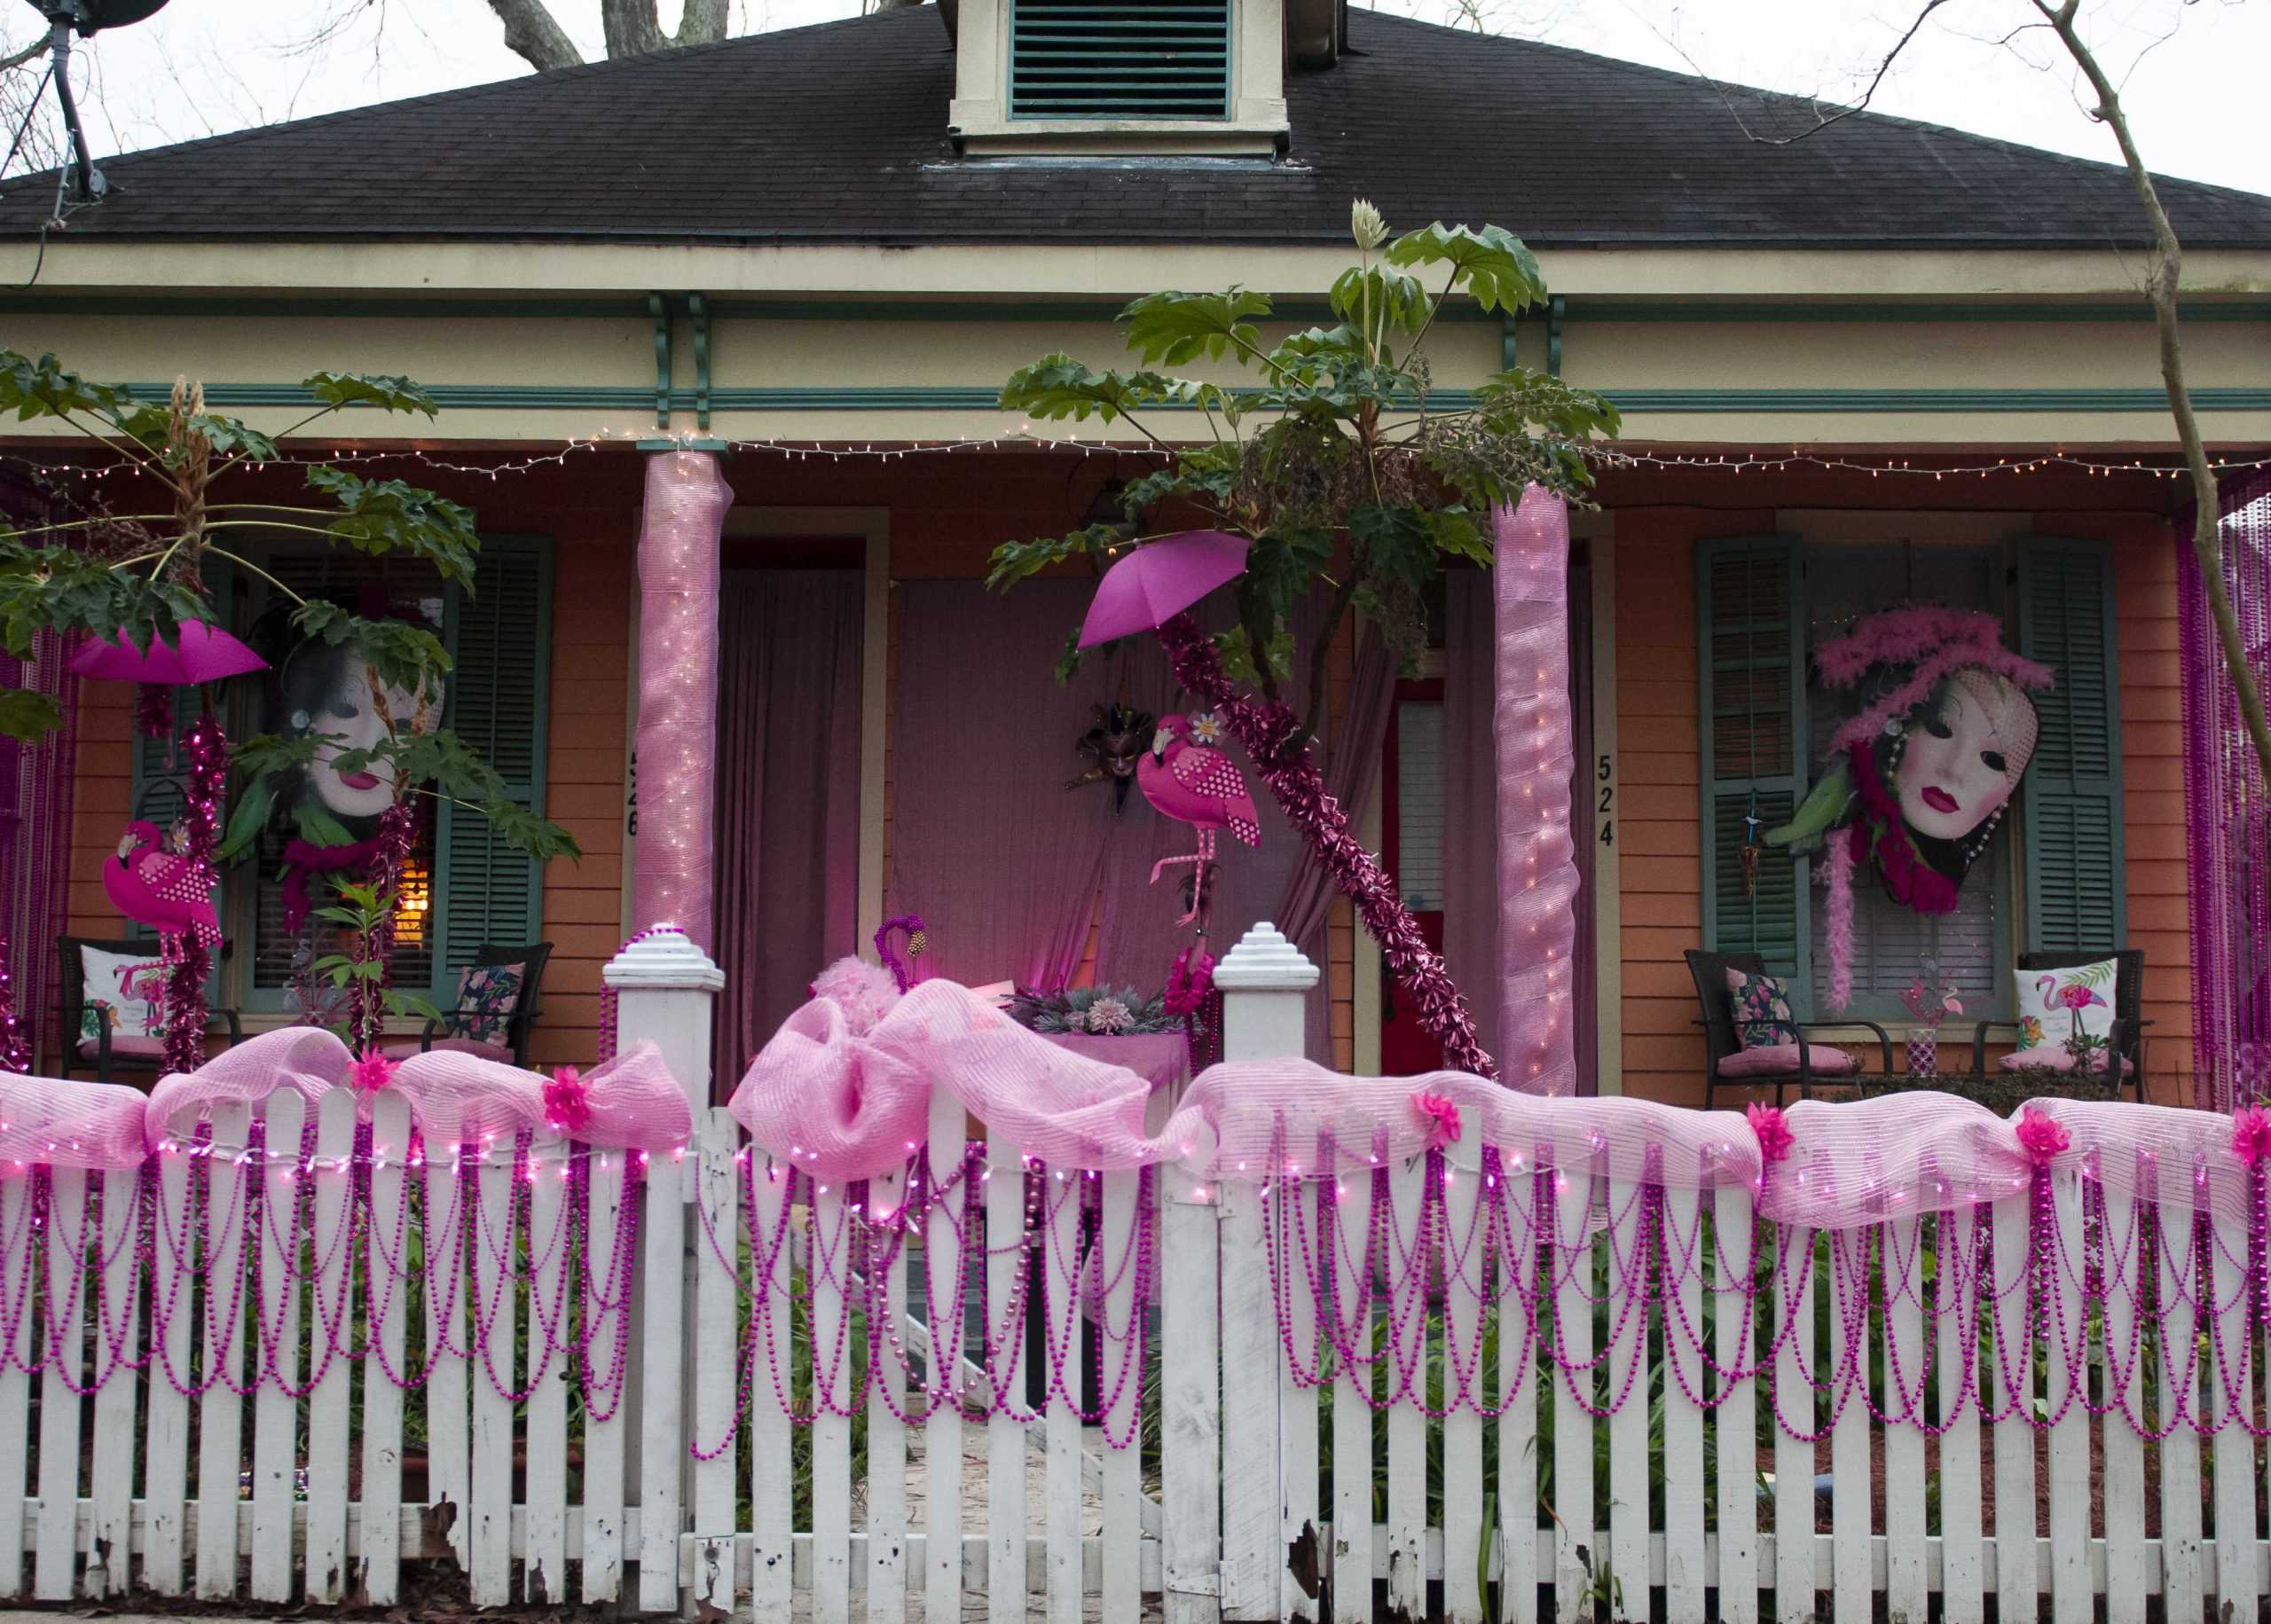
(500, 637)
(1751, 657)
(1115, 59)
(2076, 892)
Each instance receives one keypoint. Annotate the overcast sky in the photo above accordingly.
(2195, 85)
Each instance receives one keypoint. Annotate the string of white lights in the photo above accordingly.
(1024, 439)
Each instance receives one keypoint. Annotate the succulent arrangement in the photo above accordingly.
(1099, 1011)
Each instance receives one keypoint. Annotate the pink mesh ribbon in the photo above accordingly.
(686, 500)
(843, 1106)
(631, 1103)
(66, 1124)
(1537, 869)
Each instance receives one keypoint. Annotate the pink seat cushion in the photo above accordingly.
(2053, 1057)
(1782, 1060)
(454, 1046)
(128, 1046)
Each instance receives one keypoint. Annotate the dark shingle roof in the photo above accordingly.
(836, 133)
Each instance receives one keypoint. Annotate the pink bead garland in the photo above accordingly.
(188, 960)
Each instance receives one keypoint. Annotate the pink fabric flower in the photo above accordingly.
(2251, 1135)
(1774, 1136)
(2041, 1137)
(1444, 1113)
(1191, 981)
(371, 1072)
(567, 1101)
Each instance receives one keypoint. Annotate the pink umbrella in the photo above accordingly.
(1160, 580)
(200, 654)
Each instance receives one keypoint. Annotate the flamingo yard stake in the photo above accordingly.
(1186, 778)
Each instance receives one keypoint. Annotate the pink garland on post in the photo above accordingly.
(15, 1046)
(1262, 725)
(189, 960)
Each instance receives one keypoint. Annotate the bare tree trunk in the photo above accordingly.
(631, 27)
(531, 34)
(704, 22)
(2161, 286)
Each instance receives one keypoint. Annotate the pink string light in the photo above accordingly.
(686, 500)
(1538, 868)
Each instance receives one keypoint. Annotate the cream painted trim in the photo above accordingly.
(872, 525)
(1365, 1025)
(1601, 774)
(1076, 272)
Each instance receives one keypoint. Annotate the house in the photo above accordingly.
(1890, 361)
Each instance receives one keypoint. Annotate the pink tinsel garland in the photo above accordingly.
(190, 960)
(1263, 726)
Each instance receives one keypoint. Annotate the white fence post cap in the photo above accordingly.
(663, 961)
(1265, 961)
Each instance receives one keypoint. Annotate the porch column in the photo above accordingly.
(1538, 871)
(684, 519)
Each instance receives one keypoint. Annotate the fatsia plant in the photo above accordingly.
(1333, 458)
(139, 569)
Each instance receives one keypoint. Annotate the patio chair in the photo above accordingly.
(2125, 1049)
(463, 1029)
(112, 1055)
(1728, 1064)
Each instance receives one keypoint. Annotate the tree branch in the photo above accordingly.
(704, 22)
(531, 34)
(631, 27)
(2161, 284)
(17, 59)
(1821, 121)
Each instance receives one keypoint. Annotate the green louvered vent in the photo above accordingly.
(490, 894)
(2076, 887)
(1095, 59)
(1751, 680)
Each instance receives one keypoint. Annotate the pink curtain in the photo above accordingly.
(1470, 833)
(1001, 861)
(788, 802)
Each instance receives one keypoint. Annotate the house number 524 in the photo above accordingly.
(1608, 801)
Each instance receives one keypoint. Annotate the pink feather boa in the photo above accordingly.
(1954, 639)
(1845, 852)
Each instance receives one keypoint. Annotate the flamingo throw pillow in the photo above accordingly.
(2066, 1016)
(124, 990)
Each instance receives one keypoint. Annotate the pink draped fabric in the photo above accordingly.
(1000, 859)
(633, 1100)
(36, 794)
(787, 810)
(1537, 872)
(686, 498)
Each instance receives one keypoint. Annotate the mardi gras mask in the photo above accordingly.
(1960, 755)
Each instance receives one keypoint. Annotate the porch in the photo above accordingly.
(892, 741)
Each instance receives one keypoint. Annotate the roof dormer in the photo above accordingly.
(1124, 77)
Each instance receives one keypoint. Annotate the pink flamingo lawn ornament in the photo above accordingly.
(2073, 997)
(1187, 778)
(155, 882)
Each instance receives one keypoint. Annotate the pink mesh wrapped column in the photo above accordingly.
(1538, 870)
(686, 498)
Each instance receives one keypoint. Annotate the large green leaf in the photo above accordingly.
(404, 655)
(1284, 565)
(1491, 264)
(1014, 561)
(1375, 294)
(26, 715)
(1397, 542)
(1172, 329)
(43, 389)
(387, 392)
(1057, 387)
(389, 516)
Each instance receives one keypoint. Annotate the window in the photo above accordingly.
(1109, 60)
(465, 888)
(2050, 879)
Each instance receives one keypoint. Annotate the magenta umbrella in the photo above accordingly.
(1160, 580)
(200, 654)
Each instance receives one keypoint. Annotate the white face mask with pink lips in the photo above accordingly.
(359, 715)
(1961, 758)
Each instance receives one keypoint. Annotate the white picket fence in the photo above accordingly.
(764, 1456)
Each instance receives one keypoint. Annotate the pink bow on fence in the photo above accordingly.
(631, 1103)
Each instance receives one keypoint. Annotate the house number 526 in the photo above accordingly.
(1608, 801)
